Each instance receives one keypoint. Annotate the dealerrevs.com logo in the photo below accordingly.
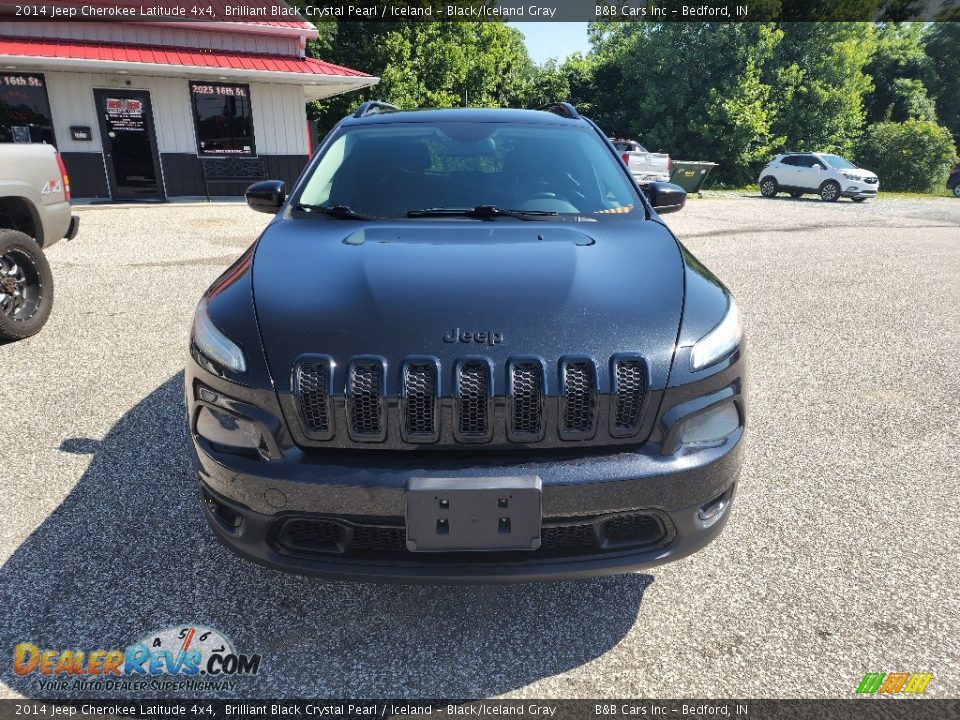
(177, 658)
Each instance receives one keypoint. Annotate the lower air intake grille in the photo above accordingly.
(365, 393)
(579, 391)
(312, 380)
(473, 394)
(420, 387)
(527, 419)
(631, 395)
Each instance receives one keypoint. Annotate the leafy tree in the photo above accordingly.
(942, 43)
(693, 89)
(914, 155)
(901, 71)
(819, 84)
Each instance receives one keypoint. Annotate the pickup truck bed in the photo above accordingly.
(35, 193)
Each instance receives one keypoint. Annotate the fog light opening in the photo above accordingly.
(712, 511)
(226, 516)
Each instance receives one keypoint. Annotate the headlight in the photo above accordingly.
(850, 176)
(223, 428)
(213, 343)
(719, 342)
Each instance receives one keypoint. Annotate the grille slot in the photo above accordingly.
(473, 401)
(312, 387)
(526, 386)
(631, 395)
(420, 401)
(365, 400)
(578, 420)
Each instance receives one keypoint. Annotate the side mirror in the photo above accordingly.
(817, 166)
(266, 196)
(666, 197)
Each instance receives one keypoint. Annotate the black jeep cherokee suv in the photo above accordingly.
(466, 349)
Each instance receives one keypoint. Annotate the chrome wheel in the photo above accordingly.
(956, 191)
(768, 187)
(830, 191)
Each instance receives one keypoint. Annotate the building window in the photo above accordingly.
(223, 118)
(25, 109)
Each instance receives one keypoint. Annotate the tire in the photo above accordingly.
(769, 187)
(956, 191)
(795, 195)
(830, 191)
(26, 286)
(858, 199)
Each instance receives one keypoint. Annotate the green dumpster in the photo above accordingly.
(690, 174)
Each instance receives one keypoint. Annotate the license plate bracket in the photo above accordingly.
(473, 514)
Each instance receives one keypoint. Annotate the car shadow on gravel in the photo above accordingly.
(128, 552)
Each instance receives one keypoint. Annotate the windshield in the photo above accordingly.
(393, 169)
(835, 161)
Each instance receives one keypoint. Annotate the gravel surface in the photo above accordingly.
(840, 557)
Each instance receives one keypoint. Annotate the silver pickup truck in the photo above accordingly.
(645, 166)
(34, 213)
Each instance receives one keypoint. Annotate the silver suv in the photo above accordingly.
(829, 176)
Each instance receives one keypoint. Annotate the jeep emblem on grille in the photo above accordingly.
(490, 337)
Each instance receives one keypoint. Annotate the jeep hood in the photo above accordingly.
(549, 289)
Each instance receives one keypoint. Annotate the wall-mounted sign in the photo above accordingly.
(81, 133)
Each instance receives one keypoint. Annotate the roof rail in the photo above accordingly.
(373, 106)
(563, 109)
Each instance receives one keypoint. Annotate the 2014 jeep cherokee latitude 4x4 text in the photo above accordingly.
(456, 354)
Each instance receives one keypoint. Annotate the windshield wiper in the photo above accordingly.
(481, 212)
(341, 212)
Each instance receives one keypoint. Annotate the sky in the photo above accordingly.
(553, 39)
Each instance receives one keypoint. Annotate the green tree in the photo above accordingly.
(695, 90)
(913, 155)
(942, 43)
(901, 71)
(819, 84)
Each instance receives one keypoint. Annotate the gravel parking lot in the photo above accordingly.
(840, 557)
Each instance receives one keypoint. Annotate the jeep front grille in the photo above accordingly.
(579, 389)
(631, 393)
(312, 382)
(526, 392)
(473, 401)
(365, 399)
(420, 401)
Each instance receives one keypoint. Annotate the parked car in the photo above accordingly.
(829, 176)
(458, 355)
(34, 213)
(953, 182)
(645, 166)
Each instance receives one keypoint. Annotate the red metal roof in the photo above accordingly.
(174, 56)
(218, 10)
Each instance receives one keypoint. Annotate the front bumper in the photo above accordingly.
(605, 509)
(859, 191)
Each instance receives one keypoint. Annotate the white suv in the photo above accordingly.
(829, 176)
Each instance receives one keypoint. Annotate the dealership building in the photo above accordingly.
(161, 109)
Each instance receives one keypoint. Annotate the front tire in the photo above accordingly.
(26, 286)
(768, 186)
(956, 191)
(830, 191)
